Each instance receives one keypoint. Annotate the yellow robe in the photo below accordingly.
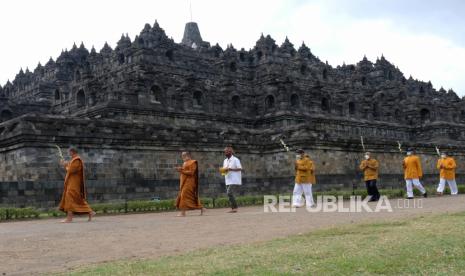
(412, 167)
(75, 194)
(188, 196)
(446, 167)
(305, 171)
(370, 169)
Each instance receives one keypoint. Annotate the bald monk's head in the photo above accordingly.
(186, 156)
(72, 151)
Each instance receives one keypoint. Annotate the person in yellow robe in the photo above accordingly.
(413, 173)
(370, 166)
(188, 196)
(304, 179)
(74, 198)
(446, 166)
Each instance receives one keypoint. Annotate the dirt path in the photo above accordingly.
(34, 247)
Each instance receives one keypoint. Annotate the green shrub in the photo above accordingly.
(55, 213)
(3, 213)
(207, 202)
(249, 200)
(18, 213)
(109, 208)
(150, 206)
(169, 205)
(221, 202)
(461, 189)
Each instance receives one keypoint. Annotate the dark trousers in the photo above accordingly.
(372, 189)
(230, 191)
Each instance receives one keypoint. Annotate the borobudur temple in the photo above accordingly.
(131, 110)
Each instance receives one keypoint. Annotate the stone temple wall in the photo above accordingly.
(126, 161)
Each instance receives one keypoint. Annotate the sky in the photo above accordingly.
(425, 39)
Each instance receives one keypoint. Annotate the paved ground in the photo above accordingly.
(42, 246)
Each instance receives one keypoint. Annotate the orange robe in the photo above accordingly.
(74, 194)
(305, 171)
(446, 167)
(188, 197)
(412, 167)
(370, 169)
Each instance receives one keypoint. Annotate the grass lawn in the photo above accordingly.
(427, 245)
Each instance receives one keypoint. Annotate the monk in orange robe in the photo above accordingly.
(188, 197)
(73, 200)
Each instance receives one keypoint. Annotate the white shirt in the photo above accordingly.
(233, 178)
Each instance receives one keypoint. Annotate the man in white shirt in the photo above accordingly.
(233, 177)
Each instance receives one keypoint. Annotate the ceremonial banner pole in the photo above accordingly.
(284, 145)
(354, 185)
(363, 145)
(60, 153)
(286, 148)
(400, 146)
